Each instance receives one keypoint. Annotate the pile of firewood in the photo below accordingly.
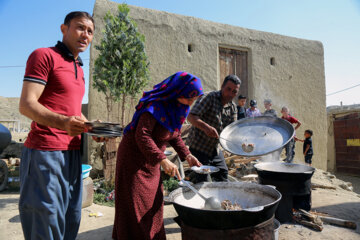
(315, 220)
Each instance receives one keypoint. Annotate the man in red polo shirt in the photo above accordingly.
(50, 170)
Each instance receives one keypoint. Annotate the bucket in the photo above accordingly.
(276, 229)
(85, 170)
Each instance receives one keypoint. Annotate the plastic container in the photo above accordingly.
(87, 192)
(85, 170)
(276, 229)
(5, 137)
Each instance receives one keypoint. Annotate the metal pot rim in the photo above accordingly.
(175, 193)
(259, 166)
(260, 120)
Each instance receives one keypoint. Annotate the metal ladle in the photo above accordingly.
(211, 203)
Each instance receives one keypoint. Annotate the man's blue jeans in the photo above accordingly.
(50, 194)
(290, 151)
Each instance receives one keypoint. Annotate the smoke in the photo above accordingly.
(271, 157)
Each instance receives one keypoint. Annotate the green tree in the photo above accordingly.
(121, 70)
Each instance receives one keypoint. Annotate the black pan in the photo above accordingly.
(284, 171)
(259, 203)
(289, 178)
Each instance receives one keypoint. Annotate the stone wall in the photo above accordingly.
(296, 80)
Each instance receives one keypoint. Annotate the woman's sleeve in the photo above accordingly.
(145, 141)
(179, 146)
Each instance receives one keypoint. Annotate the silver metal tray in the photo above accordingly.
(105, 134)
(268, 134)
(204, 169)
(168, 153)
(101, 124)
(104, 126)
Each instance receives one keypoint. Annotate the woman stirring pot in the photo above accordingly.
(157, 121)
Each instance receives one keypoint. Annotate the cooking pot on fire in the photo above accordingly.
(287, 177)
(258, 204)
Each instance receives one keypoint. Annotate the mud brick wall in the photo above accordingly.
(109, 159)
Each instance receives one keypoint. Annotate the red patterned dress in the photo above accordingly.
(138, 194)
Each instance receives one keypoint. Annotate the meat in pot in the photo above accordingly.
(227, 205)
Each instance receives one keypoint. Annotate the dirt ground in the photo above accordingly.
(338, 203)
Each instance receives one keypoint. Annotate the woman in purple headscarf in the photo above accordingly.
(157, 121)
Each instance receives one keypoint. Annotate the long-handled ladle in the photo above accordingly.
(211, 203)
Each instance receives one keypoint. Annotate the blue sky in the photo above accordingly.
(27, 25)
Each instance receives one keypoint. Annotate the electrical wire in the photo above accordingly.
(357, 85)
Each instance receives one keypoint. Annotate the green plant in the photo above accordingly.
(99, 198)
(121, 69)
(171, 184)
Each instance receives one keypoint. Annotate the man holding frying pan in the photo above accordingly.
(210, 115)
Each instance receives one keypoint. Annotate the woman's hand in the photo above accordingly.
(193, 161)
(170, 168)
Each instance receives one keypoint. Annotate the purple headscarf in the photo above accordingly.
(162, 102)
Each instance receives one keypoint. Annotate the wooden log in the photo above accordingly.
(232, 157)
(339, 222)
(309, 224)
(319, 213)
(315, 185)
(313, 218)
(310, 216)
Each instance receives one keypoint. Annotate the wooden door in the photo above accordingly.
(234, 62)
(347, 143)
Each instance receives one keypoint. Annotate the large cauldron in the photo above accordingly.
(259, 203)
(294, 183)
(287, 177)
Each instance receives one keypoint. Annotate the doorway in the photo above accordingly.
(233, 61)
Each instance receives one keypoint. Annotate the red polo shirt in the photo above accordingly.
(63, 77)
(291, 119)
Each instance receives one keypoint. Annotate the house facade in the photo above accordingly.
(288, 70)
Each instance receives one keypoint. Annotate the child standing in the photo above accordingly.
(241, 107)
(290, 147)
(268, 110)
(307, 148)
(253, 111)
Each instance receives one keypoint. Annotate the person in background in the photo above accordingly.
(157, 121)
(253, 111)
(268, 110)
(209, 116)
(307, 147)
(241, 110)
(290, 147)
(50, 168)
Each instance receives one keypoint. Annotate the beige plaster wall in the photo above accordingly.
(297, 79)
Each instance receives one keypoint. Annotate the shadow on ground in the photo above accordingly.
(15, 219)
(101, 233)
(6, 201)
(171, 226)
(347, 211)
(355, 180)
(105, 233)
